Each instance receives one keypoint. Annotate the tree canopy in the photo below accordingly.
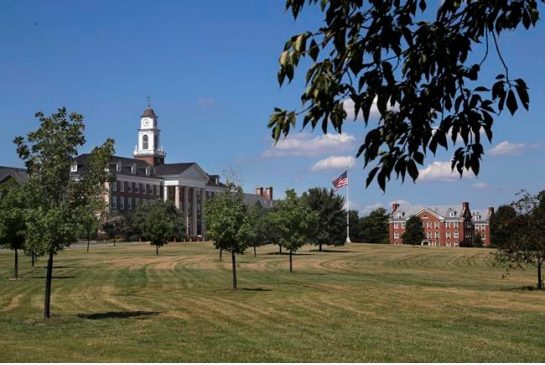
(418, 67)
(523, 241)
(414, 231)
(55, 202)
(161, 222)
(12, 223)
(331, 225)
(374, 227)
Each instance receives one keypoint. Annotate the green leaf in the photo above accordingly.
(511, 102)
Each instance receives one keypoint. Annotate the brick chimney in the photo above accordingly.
(269, 193)
(490, 211)
(394, 207)
(259, 191)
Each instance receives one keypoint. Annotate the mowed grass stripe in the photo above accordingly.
(353, 303)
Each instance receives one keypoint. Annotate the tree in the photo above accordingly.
(294, 221)
(477, 240)
(331, 225)
(412, 64)
(226, 216)
(499, 225)
(55, 202)
(114, 226)
(89, 225)
(162, 221)
(12, 223)
(414, 231)
(375, 226)
(525, 241)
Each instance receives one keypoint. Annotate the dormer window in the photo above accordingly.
(148, 171)
(133, 169)
(452, 213)
(400, 214)
(118, 166)
(74, 167)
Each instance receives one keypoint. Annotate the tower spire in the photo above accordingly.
(148, 99)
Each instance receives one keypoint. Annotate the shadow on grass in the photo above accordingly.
(523, 288)
(287, 254)
(55, 277)
(256, 289)
(108, 315)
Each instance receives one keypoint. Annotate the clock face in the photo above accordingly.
(146, 122)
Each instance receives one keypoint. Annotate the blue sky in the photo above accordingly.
(210, 69)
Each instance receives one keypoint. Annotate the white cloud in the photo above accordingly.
(304, 144)
(348, 106)
(441, 171)
(206, 102)
(480, 186)
(352, 206)
(507, 148)
(334, 163)
(369, 208)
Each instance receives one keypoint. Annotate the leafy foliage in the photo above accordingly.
(374, 227)
(227, 224)
(523, 241)
(414, 67)
(331, 225)
(414, 231)
(55, 202)
(114, 226)
(294, 221)
(12, 222)
(499, 225)
(162, 221)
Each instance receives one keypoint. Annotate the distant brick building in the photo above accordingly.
(443, 225)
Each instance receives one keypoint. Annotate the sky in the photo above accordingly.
(210, 68)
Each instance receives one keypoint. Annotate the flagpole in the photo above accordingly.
(347, 209)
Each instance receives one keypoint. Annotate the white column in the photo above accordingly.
(186, 210)
(165, 192)
(203, 200)
(177, 196)
(194, 212)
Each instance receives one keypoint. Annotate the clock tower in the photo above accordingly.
(148, 148)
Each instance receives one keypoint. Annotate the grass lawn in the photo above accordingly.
(358, 303)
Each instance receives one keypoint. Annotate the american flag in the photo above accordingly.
(341, 180)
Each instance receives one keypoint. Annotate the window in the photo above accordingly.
(400, 215)
(436, 234)
(137, 188)
(122, 203)
(74, 167)
(452, 213)
(403, 225)
(114, 186)
(114, 202)
(448, 235)
(148, 189)
(455, 234)
(456, 225)
(154, 189)
(396, 235)
(428, 235)
(145, 142)
(396, 225)
(129, 205)
(436, 225)
(122, 186)
(129, 187)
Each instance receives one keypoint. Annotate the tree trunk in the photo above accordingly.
(539, 280)
(255, 252)
(234, 270)
(88, 241)
(33, 259)
(280, 249)
(157, 250)
(221, 252)
(320, 245)
(291, 263)
(114, 240)
(48, 279)
(16, 266)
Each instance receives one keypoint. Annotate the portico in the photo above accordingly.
(188, 187)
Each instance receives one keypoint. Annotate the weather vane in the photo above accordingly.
(149, 101)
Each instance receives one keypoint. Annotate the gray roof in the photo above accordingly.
(252, 199)
(149, 113)
(480, 215)
(173, 168)
(126, 165)
(20, 175)
(444, 211)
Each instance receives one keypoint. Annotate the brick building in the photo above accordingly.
(448, 226)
